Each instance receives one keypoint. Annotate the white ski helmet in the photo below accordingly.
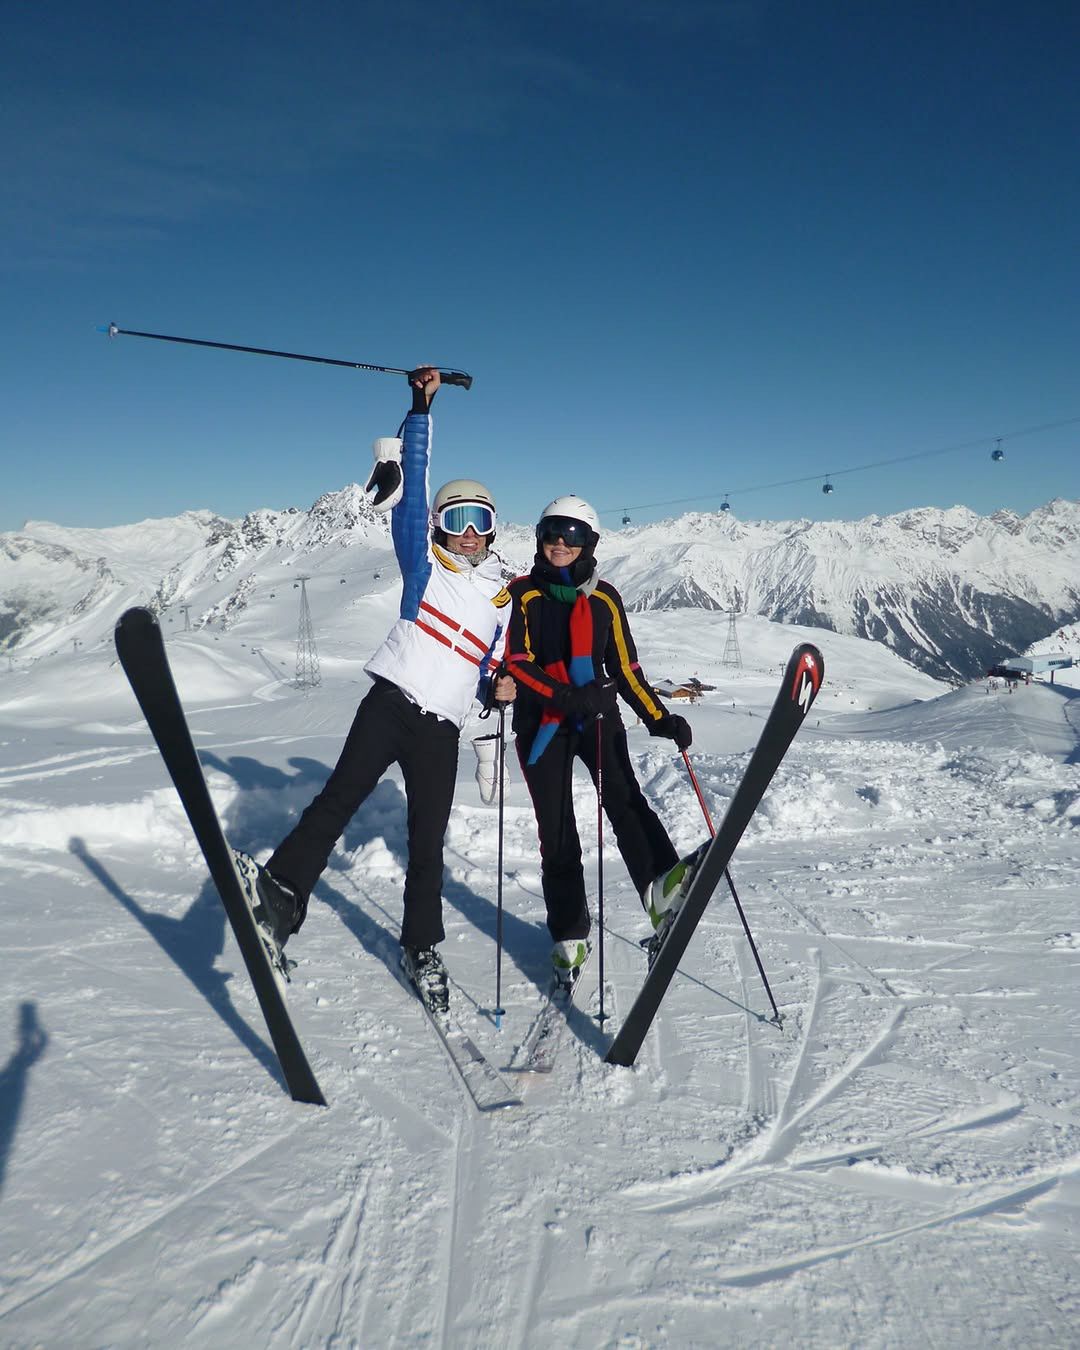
(572, 508)
(462, 492)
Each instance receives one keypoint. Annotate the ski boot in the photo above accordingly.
(424, 968)
(275, 907)
(663, 898)
(567, 959)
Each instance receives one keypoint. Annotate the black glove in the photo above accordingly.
(421, 403)
(385, 482)
(675, 728)
(589, 700)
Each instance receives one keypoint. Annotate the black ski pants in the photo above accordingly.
(388, 729)
(641, 838)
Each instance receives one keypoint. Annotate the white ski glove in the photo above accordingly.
(386, 481)
(487, 769)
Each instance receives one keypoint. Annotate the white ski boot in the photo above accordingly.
(567, 959)
(664, 897)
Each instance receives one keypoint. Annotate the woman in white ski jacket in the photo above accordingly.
(434, 661)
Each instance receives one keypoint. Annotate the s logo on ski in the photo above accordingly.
(807, 680)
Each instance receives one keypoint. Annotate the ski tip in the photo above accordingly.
(136, 617)
(804, 675)
(109, 329)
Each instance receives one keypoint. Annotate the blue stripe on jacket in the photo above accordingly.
(409, 519)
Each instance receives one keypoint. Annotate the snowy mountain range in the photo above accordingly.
(948, 590)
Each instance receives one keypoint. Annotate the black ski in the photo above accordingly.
(141, 649)
(802, 680)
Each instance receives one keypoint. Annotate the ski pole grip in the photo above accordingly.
(456, 377)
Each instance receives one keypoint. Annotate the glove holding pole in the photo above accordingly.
(674, 728)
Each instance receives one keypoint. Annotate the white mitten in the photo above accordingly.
(487, 769)
(385, 481)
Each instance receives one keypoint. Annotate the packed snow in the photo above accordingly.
(898, 1165)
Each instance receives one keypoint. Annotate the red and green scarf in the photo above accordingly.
(581, 670)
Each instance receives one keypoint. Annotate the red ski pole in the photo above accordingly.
(777, 1018)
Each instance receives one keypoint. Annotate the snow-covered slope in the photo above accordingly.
(898, 1166)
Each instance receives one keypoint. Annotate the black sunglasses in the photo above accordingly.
(573, 533)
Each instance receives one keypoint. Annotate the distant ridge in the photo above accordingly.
(948, 590)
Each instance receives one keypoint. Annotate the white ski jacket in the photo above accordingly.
(439, 652)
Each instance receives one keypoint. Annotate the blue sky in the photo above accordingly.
(684, 249)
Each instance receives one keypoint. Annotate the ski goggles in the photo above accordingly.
(573, 533)
(461, 516)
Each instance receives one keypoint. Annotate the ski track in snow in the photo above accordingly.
(898, 1164)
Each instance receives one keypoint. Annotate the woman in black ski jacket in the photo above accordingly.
(570, 653)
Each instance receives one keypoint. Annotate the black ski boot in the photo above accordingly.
(424, 968)
(275, 907)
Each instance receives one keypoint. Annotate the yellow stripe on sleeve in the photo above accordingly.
(652, 708)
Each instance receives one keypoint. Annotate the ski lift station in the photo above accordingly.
(1014, 667)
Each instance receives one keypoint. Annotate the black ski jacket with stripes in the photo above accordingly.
(538, 635)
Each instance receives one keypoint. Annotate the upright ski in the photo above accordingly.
(141, 649)
(801, 682)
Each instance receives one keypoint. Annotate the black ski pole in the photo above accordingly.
(601, 1016)
(448, 376)
(777, 1016)
(500, 746)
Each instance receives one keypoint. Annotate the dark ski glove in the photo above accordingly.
(589, 700)
(675, 728)
(386, 482)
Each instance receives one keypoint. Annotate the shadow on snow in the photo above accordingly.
(192, 943)
(31, 1044)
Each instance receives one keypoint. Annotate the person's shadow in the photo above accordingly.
(193, 943)
(32, 1041)
(249, 773)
